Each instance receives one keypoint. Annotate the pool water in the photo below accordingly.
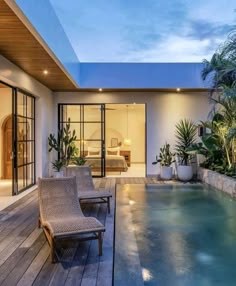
(181, 235)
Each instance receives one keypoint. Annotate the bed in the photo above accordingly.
(113, 161)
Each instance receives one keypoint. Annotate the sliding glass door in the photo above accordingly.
(24, 141)
(88, 120)
(17, 144)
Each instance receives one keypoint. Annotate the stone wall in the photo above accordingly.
(222, 182)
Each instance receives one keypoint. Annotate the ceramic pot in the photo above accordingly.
(185, 173)
(166, 173)
(59, 174)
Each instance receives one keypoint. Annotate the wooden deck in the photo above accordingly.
(24, 251)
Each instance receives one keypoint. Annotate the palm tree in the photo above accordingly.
(221, 69)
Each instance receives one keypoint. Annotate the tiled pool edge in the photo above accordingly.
(219, 181)
(125, 233)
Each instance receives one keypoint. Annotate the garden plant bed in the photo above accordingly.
(222, 182)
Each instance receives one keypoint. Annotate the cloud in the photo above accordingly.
(145, 31)
(174, 49)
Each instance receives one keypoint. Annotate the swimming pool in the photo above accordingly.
(183, 235)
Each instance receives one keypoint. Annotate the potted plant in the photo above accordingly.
(63, 144)
(58, 166)
(186, 133)
(165, 159)
(78, 161)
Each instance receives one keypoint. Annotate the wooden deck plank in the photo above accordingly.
(91, 268)
(35, 267)
(14, 277)
(24, 252)
(14, 241)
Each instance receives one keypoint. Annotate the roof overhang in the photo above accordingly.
(22, 45)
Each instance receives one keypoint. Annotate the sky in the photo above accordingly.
(145, 30)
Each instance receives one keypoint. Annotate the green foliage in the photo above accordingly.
(218, 146)
(221, 69)
(165, 156)
(186, 132)
(79, 161)
(64, 144)
(58, 165)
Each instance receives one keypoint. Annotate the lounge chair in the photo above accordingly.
(61, 216)
(85, 187)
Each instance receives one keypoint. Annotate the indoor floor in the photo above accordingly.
(135, 170)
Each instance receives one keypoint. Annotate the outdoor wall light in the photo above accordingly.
(201, 131)
(45, 72)
(100, 89)
(178, 89)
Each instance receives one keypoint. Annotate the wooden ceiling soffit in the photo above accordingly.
(25, 48)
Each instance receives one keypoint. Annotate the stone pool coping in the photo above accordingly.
(222, 182)
(126, 250)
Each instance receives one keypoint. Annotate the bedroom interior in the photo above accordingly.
(125, 128)
(118, 129)
(5, 141)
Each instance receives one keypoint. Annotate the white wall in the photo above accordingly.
(45, 123)
(163, 109)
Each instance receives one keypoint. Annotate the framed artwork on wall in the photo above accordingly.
(114, 142)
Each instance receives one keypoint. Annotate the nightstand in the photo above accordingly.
(127, 156)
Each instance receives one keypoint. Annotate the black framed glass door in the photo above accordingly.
(24, 141)
(88, 120)
(17, 157)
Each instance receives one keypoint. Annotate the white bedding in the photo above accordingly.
(112, 161)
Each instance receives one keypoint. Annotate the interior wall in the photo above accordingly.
(45, 121)
(163, 111)
(5, 111)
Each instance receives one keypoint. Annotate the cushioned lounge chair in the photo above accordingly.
(85, 187)
(61, 216)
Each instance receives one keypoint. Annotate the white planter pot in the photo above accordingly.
(166, 173)
(59, 174)
(185, 173)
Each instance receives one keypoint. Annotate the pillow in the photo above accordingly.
(113, 151)
(94, 151)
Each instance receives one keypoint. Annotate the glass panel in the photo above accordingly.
(30, 174)
(96, 165)
(21, 177)
(21, 153)
(30, 152)
(72, 112)
(92, 131)
(21, 104)
(30, 129)
(92, 113)
(76, 127)
(29, 107)
(21, 129)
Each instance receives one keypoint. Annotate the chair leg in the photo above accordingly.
(108, 205)
(52, 251)
(39, 223)
(99, 243)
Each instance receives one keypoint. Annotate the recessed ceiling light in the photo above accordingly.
(178, 89)
(45, 72)
(100, 89)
